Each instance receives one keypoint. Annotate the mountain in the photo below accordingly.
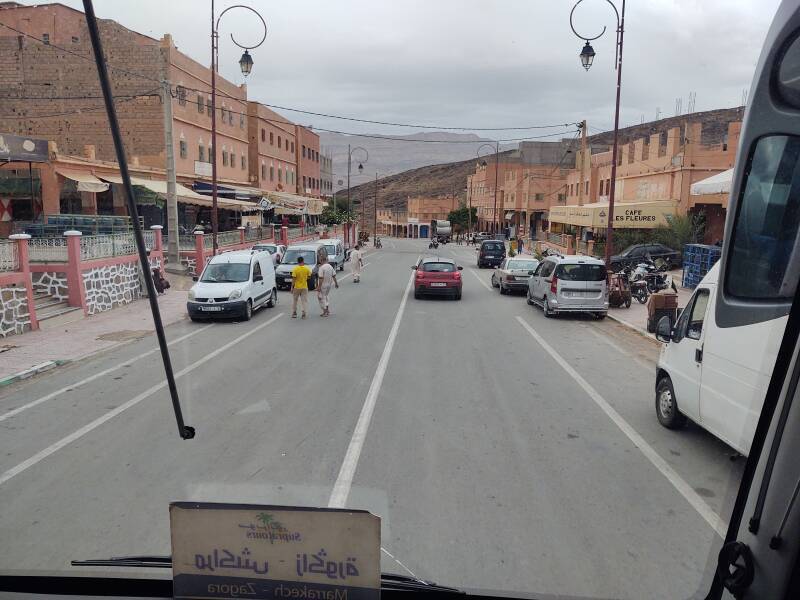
(402, 153)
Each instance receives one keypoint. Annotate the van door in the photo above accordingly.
(684, 355)
(257, 290)
(268, 272)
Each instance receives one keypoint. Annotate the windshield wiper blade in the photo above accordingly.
(389, 581)
(159, 562)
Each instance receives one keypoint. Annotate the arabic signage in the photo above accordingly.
(14, 147)
(252, 551)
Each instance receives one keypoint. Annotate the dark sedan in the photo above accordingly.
(632, 255)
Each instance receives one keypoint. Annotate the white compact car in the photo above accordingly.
(233, 284)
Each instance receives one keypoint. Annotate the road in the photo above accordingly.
(503, 451)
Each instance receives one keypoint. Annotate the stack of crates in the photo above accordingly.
(697, 261)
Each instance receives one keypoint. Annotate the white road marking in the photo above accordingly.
(344, 481)
(392, 556)
(258, 407)
(53, 448)
(680, 484)
(104, 372)
(483, 283)
(620, 349)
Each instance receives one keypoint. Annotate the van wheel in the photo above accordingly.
(273, 299)
(248, 311)
(667, 406)
(600, 316)
(546, 309)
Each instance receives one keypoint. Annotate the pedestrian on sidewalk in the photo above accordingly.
(520, 244)
(357, 262)
(326, 279)
(300, 275)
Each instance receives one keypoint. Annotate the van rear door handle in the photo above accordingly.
(698, 354)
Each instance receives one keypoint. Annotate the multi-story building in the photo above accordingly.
(326, 173)
(273, 148)
(654, 177)
(308, 182)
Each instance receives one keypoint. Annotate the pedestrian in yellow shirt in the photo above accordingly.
(300, 275)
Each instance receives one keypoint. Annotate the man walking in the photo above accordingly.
(326, 279)
(357, 262)
(300, 275)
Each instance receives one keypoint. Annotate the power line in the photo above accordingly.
(78, 111)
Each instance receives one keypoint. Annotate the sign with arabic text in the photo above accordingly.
(253, 551)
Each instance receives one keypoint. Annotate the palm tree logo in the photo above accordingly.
(268, 521)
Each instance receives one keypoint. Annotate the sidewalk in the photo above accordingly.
(87, 335)
(635, 317)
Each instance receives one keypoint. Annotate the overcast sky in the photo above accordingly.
(466, 63)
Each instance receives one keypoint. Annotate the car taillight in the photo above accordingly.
(554, 285)
(456, 275)
(509, 278)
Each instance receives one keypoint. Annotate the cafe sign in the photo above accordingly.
(253, 551)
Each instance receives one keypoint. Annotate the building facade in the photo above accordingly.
(308, 183)
(272, 149)
(326, 173)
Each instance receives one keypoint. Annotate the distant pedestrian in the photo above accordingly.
(356, 262)
(520, 244)
(300, 276)
(326, 279)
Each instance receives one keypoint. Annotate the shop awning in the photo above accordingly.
(86, 181)
(510, 214)
(627, 215)
(716, 184)
(294, 204)
(229, 191)
(184, 194)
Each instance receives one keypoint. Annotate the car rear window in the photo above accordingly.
(494, 246)
(438, 267)
(581, 272)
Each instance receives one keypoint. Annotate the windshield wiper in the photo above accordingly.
(145, 560)
(389, 581)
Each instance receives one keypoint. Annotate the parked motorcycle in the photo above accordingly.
(657, 279)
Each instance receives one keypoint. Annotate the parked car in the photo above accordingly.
(233, 284)
(283, 272)
(570, 284)
(276, 250)
(479, 237)
(632, 255)
(491, 253)
(513, 274)
(336, 252)
(715, 376)
(437, 276)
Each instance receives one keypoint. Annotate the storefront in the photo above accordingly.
(592, 219)
(709, 198)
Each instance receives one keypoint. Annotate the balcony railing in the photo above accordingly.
(47, 249)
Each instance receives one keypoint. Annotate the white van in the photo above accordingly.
(233, 284)
(336, 254)
(715, 376)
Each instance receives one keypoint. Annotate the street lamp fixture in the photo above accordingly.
(587, 57)
(246, 63)
(350, 152)
(360, 168)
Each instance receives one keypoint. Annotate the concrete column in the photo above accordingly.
(25, 269)
(199, 252)
(285, 235)
(158, 244)
(241, 234)
(76, 292)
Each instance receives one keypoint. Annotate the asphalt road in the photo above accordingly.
(503, 450)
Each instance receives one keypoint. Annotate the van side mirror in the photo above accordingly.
(414, 267)
(530, 272)
(460, 268)
(664, 330)
(194, 277)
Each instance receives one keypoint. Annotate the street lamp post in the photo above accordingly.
(360, 170)
(587, 57)
(495, 220)
(246, 65)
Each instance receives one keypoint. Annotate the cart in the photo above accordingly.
(619, 290)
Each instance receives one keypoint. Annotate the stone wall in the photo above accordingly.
(51, 283)
(14, 315)
(110, 286)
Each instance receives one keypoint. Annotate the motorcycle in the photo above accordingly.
(378, 243)
(434, 244)
(638, 285)
(657, 279)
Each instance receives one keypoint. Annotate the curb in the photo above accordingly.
(637, 329)
(34, 370)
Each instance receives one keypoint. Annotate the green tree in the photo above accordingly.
(460, 219)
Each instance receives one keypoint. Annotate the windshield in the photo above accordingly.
(522, 265)
(438, 267)
(226, 272)
(291, 256)
(523, 436)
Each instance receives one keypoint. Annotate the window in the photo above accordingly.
(208, 107)
(586, 191)
(547, 269)
(75, 39)
(230, 117)
(263, 135)
(256, 271)
(201, 153)
(279, 142)
(304, 182)
(244, 162)
(538, 197)
(695, 326)
(46, 38)
(280, 174)
(183, 149)
(581, 272)
(292, 147)
(271, 173)
(263, 171)
(562, 197)
(180, 91)
(767, 223)
(224, 158)
(199, 104)
(304, 151)
(438, 267)
(222, 113)
(271, 139)
(241, 121)
(233, 160)
(287, 144)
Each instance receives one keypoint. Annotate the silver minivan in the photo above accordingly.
(570, 284)
(336, 254)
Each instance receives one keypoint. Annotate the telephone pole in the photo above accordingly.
(582, 127)
(375, 224)
(173, 253)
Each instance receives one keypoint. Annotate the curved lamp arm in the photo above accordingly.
(589, 38)
(264, 23)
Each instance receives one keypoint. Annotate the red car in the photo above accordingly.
(437, 276)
